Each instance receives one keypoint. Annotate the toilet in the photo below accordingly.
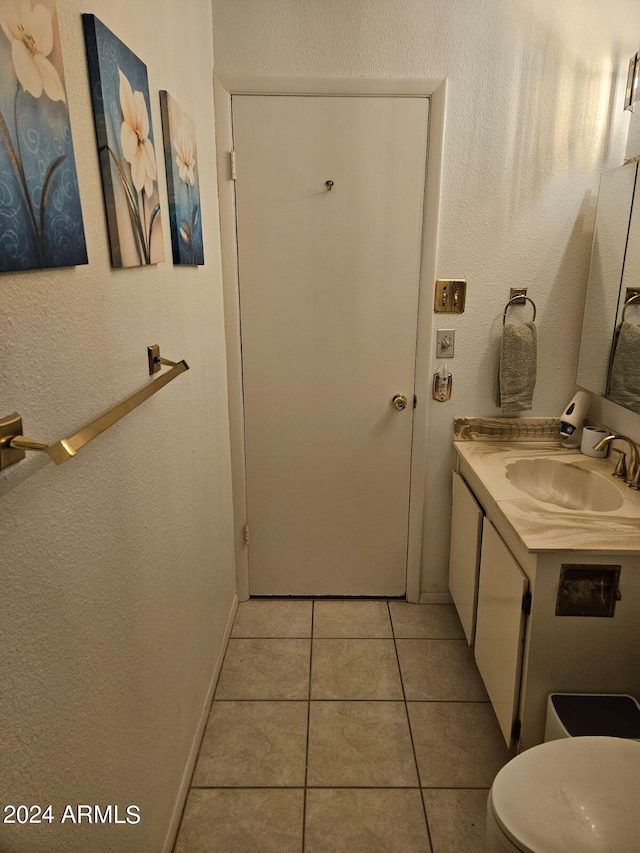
(573, 795)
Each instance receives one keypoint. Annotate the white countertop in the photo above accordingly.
(543, 526)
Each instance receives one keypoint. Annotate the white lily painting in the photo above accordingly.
(183, 185)
(40, 214)
(122, 113)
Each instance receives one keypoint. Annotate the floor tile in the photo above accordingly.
(425, 621)
(239, 821)
(265, 669)
(457, 744)
(355, 669)
(253, 744)
(439, 670)
(365, 821)
(457, 819)
(259, 618)
(363, 744)
(351, 619)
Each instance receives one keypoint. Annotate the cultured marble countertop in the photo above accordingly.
(543, 526)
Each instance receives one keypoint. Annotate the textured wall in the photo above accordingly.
(534, 114)
(116, 569)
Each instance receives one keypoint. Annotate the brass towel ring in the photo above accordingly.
(627, 303)
(515, 299)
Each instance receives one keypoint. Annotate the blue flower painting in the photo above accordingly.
(122, 113)
(181, 162)
(40, 214)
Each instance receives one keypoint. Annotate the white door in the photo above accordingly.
(328, 302)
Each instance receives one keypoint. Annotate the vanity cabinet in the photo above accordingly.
(515, 600)
(464, 559)
(500, 621)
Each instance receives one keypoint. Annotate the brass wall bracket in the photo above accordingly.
(156, 361)
(153, 354)
(450, 296)
(515, 293)
(10, 427)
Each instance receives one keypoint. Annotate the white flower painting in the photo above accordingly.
(40, 215)
(121, 106)
(181, 161)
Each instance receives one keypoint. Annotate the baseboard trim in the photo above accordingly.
(176, 817)
(435, 598)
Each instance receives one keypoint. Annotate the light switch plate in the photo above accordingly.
(450, 296)
(445, 343)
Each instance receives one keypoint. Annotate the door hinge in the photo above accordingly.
(232, 162)
(516, 729)
(415, 401)
(526, 603)
(246, 532)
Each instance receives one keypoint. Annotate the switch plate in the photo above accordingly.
(450, 295)
(445, 343)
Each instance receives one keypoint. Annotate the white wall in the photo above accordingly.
(116, 569)
(534, 114)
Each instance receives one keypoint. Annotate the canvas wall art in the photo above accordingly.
(122, 113)
(40, 214)
(183, 184)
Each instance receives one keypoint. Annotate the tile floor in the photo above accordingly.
(344, 727)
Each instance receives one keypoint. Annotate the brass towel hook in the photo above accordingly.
(518, 298)
(329, 185)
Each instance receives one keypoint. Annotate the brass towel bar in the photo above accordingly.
(13, 444)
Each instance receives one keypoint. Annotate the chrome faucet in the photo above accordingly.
(632, 478)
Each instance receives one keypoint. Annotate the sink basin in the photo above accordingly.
(564, 484)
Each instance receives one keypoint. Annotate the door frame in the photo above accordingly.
(436, 91)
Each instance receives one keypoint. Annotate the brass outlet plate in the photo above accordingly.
(438, 393)
(450, 296)
(10, 427)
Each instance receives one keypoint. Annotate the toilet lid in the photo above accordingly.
(575, 794)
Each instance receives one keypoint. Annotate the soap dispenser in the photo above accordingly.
(573, 417)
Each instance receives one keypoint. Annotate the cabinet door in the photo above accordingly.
(500, 626)
(464, 559)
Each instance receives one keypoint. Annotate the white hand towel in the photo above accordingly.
(518, 366)
(624, 378)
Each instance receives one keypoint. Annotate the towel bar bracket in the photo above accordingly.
(156, 361)
(10, 427)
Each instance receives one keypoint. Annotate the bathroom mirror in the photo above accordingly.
(609, 361)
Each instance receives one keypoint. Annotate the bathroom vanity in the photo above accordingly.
(545, 575)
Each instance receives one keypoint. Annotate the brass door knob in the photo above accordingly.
(399, 402)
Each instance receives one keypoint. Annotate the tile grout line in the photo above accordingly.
(340, 787)
(412, 701)
(413, 746)
(306, 758)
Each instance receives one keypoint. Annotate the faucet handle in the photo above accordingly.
(621, 465)
(634, 480)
